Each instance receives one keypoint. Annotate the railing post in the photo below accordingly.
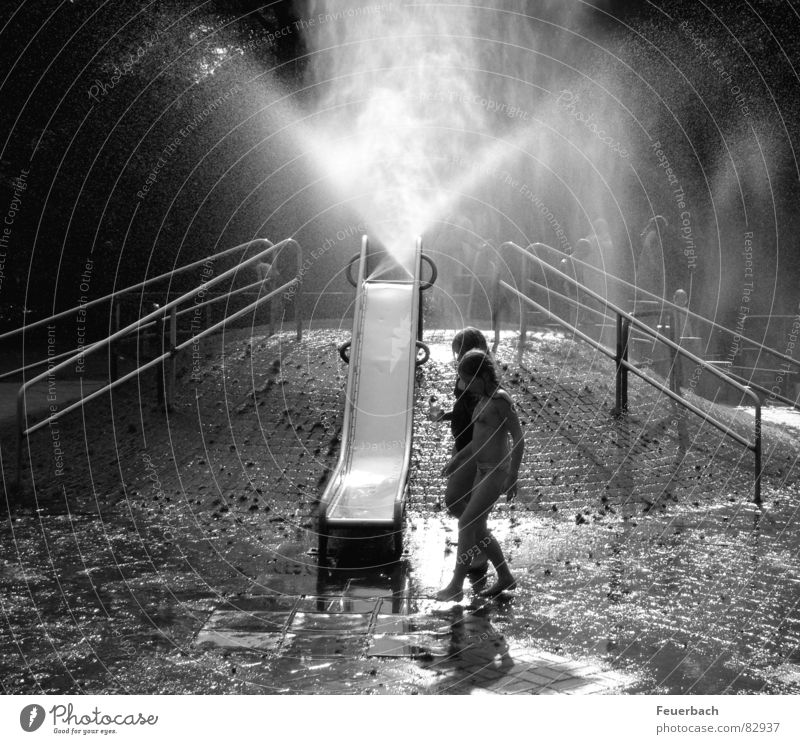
(675, 368)
(298, 294)
(274, 303)
(495, 309)
(173, 362)
(20, 437)
(619, 369)
(757, 452)
(626, 335)
(621, 372)
(113, 357)
(154, 344)
(523, 310)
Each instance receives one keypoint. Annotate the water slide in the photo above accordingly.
(367, 490)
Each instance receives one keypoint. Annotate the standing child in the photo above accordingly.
(462, 478)
(496, 466)
(459, 484)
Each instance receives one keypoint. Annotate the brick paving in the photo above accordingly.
(172, 541)
(462, 649)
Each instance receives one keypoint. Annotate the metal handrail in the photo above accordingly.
(665, 302)
(769, 392)
(157, 360)
(146, 320)
(632, 319)
(623, 366)
(34, 365)
(632, 368)
(118, 293)
(222, 296)
(146, 282)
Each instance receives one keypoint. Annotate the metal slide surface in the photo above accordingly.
(368, 486)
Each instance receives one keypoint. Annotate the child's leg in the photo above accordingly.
(471, 525)
(505, 579)
(456, 496)
(459, 487)
(465, 551)
(484, 496)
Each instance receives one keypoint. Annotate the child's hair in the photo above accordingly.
(479, 363)
(468, 339)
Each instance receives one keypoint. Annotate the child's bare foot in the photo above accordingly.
(450, 594)
(500, 586)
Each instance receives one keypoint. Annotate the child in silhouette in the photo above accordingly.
(496, 466)
(460, 481)
(460, 418)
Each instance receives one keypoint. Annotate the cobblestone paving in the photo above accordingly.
(642, 564)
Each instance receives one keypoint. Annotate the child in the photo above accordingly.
(496, 471)
(460, 417)
(460, 480)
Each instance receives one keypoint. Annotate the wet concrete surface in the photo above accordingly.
(638, 553)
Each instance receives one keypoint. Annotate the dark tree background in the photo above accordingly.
(94, 95)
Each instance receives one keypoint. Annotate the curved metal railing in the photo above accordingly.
(685, 313)
(112, 296)
(624, 321)
(154, 317)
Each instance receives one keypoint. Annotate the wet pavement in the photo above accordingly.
(174, 552)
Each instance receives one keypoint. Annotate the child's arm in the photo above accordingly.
(451, 415)
(517, 447)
